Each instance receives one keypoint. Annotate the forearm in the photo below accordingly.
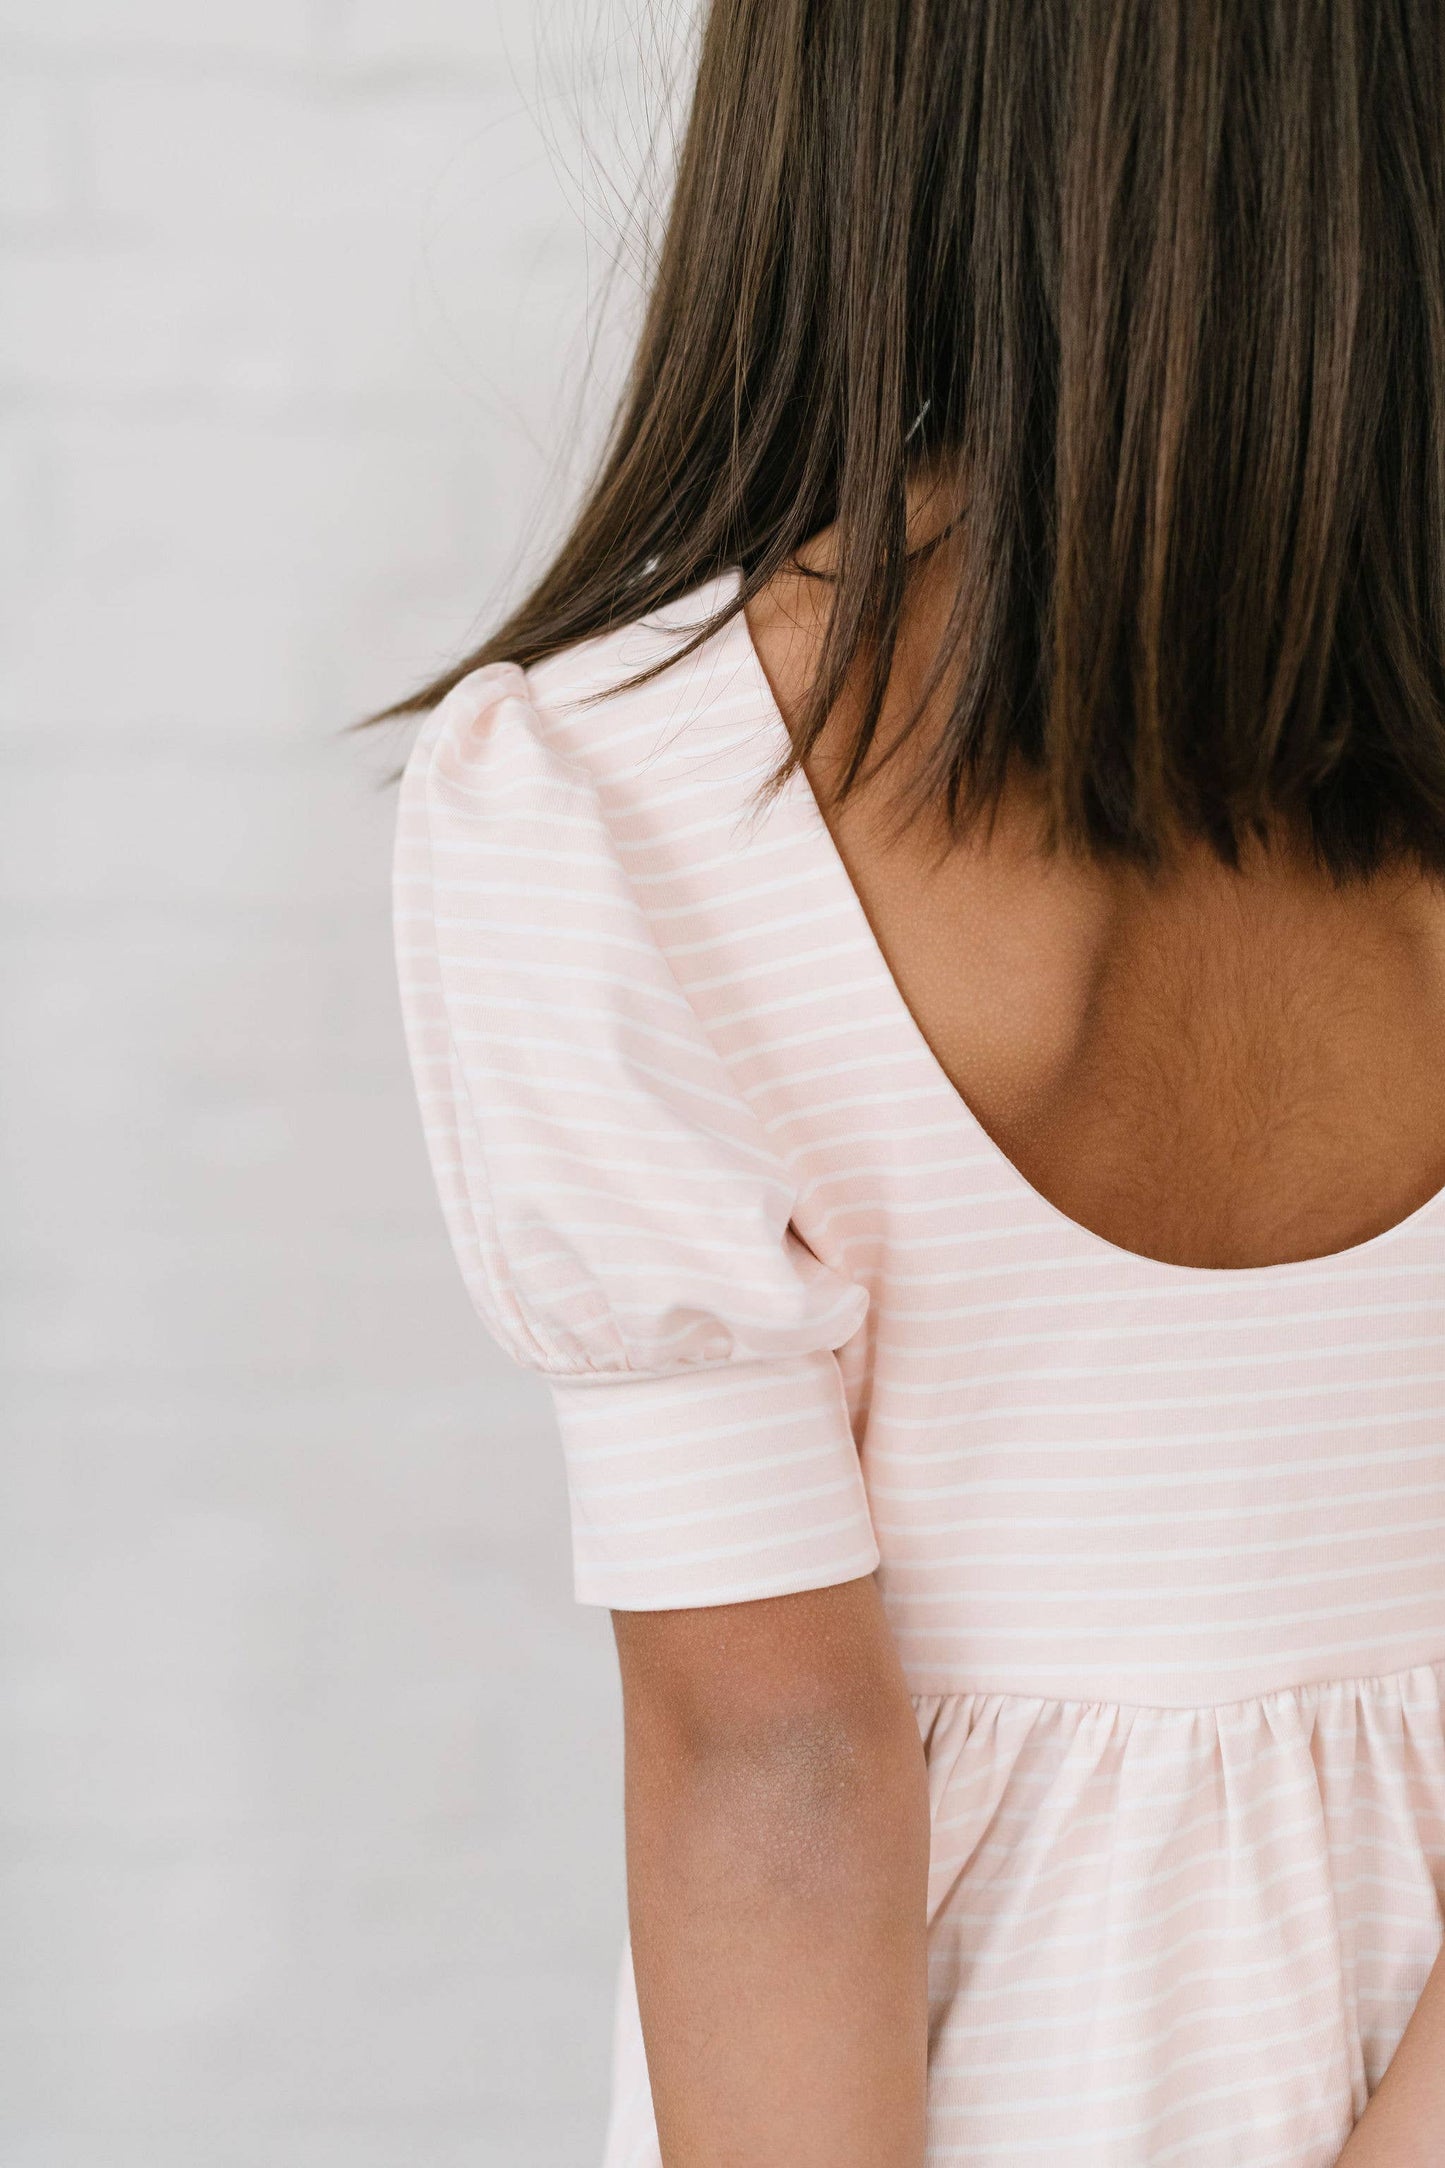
(777, 1890)
(1404, 2124)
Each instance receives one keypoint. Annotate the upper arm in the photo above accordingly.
(737, 1676)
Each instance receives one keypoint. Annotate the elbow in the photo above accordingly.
(778, 1735)
(824, 1797)
(817, 1789)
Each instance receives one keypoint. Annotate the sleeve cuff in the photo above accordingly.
(713, 1486)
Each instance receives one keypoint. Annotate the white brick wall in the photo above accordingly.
(309, 1829)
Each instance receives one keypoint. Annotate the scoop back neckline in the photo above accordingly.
(737, 633)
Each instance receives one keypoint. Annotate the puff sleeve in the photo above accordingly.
(621, 1220)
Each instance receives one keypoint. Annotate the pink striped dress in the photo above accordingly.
(1163, 1548)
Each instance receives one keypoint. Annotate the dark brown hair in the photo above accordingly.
(1161, 285)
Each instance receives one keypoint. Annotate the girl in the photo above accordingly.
(923, 946)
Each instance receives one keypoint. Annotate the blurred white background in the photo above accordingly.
(308, 1765)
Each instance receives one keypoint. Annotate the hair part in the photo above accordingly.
(1155, 291)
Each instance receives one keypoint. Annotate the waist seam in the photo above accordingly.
(1302, 1691)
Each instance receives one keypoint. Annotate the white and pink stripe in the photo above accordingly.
(1164, 1549)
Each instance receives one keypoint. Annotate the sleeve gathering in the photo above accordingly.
(622, 1222)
